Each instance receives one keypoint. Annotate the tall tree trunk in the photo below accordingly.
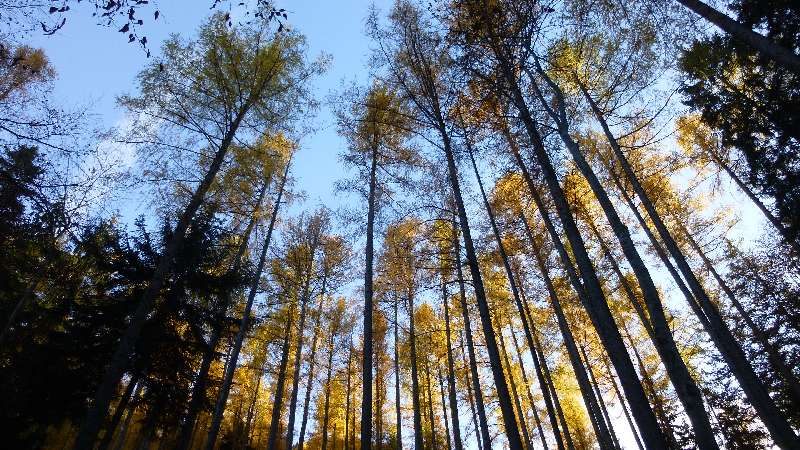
(430, 403)
(123, 432)
(531, 401)
(600, 429)
(483, 430)
(451, 377)
(119, 361)
(415, 390)
(398, 416)
(522, 419)
(444, 410)
(684, 384)
(503, 395)
(251, 409)
(595, 304)
(773, 419)
(326, 414)
(311, 365)
(299, 345)
(468, 382)
(774, 356)
(599, 395)
(764, 45)
(244, 325)
(277, 403)
(121, 408)
(366, 368)
(623, 406)
(347, 401)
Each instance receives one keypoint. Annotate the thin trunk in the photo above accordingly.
(300, 341)
(793, 243)
(503, 395)
(773, 419)
(444, 411)
(277, 403)
(347, 402)
(119, 361)
(473, 364)
(311, 365)
(123, 432)
(244, 324)
(551, 387)
(326, 416)
(764, 45)
(624, 407)
(600, 401)
(430, 403)
(469, 394)
(583, 381)
(595, 302)
(252, 408)
(199, 388)
(398, 416)
(774, 356)
(685, 386)
(511, 381)
(528, 388)
(366, 368)
(451, 377)
(415, 394)
(122, 406)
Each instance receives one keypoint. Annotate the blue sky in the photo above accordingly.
(95, 64)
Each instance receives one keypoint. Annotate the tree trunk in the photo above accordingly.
(764, 45)
(347, 402)
(600, 401)
(430, 403)
(451, 377)
(119, 361)
(222, 398)
(528, 387)
(503, 395)
(311, 365)
(299, 346)
(469, 394)
(277, 404)
(444, 411)
(415, 394)
(486, 441)
(398, 416)
(624, 406)
(121, 408)
(326, 416)
(366, 368)
(123, 432)
(773, 419)
(522, 419)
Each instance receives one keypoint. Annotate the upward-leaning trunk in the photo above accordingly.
(599, 395)
(415, 394)
(326, 414)
(774, 356)
(517, 403)
(121, 407)
(119, 361)
(444, 410)
(366, 368)
(311, 365)
(483, 431)
(398, 416)
(773, 419)
(244, 324)
(299, 345)
(601, 430)
(503, 395)
(764, 45)
(277, 403)
(478, 438)
(531, 401)
(685, 387)
(451, 377)
(199, 388)
(431, 418)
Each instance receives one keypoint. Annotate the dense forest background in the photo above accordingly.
(557, 224)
